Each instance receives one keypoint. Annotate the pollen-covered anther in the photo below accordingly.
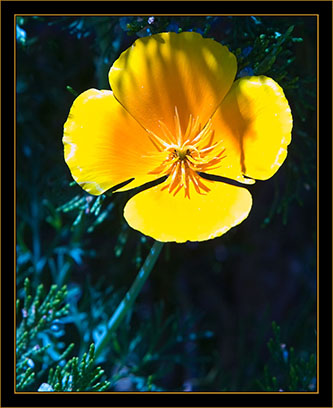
(185, 154)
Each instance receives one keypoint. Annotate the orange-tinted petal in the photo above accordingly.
(166, 71)
(104, 146)
(255, 122)
(168, 217)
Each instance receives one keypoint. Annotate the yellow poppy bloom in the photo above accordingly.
(175, 110)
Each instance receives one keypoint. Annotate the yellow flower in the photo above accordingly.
(174, 110)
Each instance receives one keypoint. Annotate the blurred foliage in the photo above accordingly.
(288, 371)
(204, 316)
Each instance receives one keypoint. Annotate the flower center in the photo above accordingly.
(184, 154)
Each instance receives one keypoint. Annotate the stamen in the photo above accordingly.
(195, 182)
(183, 173)
(178, 189)
(207, 149)
(188, 129)
(175, 177)
(183, 156)
(210, 137)
(157, 140)
(201, 185)
(166, 132)
(205, 132)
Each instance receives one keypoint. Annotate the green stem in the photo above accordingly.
(131, 295)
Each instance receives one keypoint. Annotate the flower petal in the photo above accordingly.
(168, 217)
(104, 146)
(255, 122)
(169, 70)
